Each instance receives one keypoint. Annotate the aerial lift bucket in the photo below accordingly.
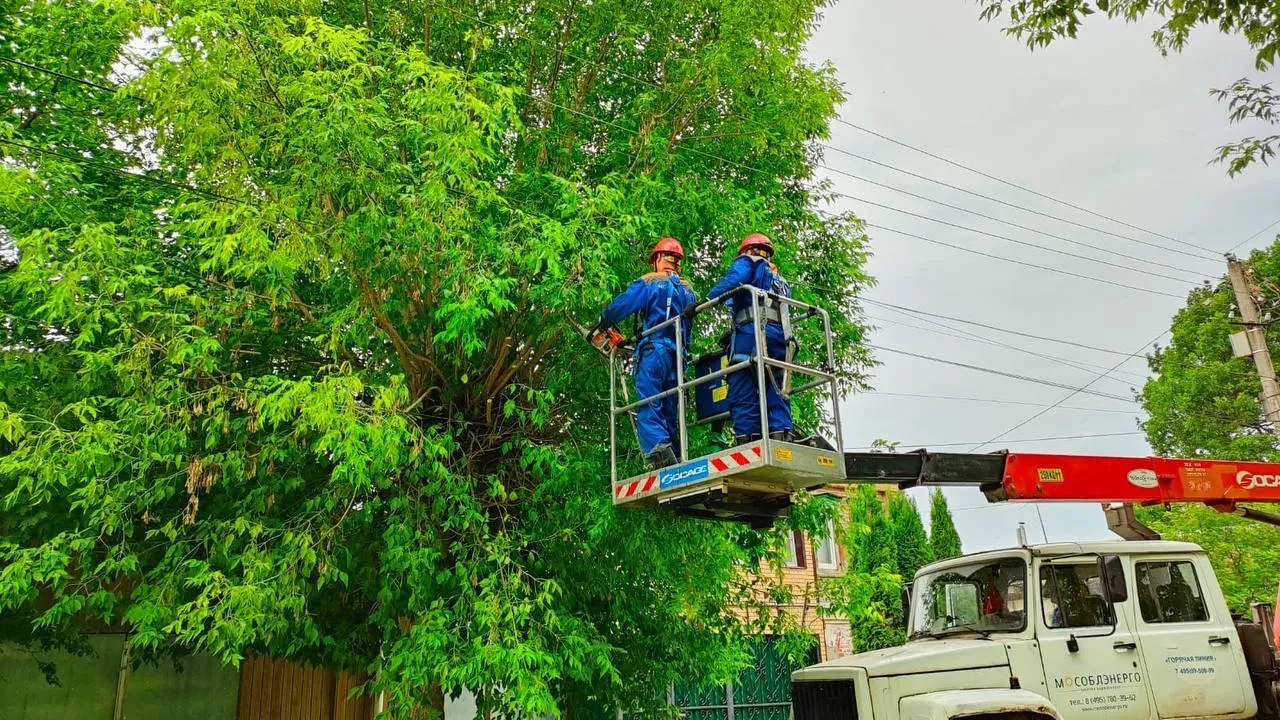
(755, 482)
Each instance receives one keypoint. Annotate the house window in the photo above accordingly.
(825, 552)
(795, 541)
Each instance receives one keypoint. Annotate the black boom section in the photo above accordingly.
(924, 468)
(824, 700)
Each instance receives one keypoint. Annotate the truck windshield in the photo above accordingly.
(983, 597)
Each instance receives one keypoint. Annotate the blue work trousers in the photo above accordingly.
(744, 396)
(656, 420)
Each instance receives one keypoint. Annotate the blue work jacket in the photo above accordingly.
(653, 298)
(752, 271)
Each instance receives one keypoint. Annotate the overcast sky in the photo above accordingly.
(1103, 122)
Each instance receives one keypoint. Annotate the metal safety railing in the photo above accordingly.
(760, 360)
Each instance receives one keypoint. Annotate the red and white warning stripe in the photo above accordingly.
(642, 485)
(724, 462)
(736, 459)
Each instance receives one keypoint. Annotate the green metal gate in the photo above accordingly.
(761, 692)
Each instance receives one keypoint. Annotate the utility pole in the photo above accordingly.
(1257, 338)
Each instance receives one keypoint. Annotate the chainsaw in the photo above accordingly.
(608, 341)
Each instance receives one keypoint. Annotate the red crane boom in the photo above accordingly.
(1037, 477)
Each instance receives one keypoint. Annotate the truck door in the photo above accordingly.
(1188, 640)
(1090, 671)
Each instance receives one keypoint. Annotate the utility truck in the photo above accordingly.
(1124, 630)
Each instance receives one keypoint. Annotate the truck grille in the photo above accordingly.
(824, 700)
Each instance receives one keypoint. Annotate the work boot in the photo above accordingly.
(783, 436)
(662, 456)
(744, 439)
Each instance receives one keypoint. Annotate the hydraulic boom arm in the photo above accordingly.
(1025, 477)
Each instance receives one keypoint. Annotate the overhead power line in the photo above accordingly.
(1242, 242)
(975, 338)
(122, 172)
(748, 167)
(992, 401)
(1015, 241)
(1025, 188)
(1075, 391)
(1019, 207)
(55, 73)
(650, 82)
(1020, 440)
(1018, 226)
(1025, 264)
(958, 247)
(992, 371)
(917, 311)
(997, 328)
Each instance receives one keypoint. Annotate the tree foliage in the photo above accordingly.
(913, 548)
(308, 386)
(886, 544)
(1203, 402)
(1040, 22)
(1244, 553)
(944, 541)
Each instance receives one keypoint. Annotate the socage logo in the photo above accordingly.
(682, 475)
(1249, 481)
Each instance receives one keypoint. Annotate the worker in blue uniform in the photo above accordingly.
(753, 267)
(654, 298)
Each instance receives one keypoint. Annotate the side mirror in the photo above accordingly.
(1117, 588)
(905, 596)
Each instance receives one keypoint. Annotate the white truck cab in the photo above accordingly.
(1118, 630)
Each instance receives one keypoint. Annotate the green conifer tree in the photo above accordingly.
(943, 537)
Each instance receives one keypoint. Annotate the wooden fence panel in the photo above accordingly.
(274, 689)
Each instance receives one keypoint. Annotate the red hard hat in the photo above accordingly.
(755, 240)
(667, 245)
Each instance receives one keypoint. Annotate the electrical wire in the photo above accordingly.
(1242, 242)
(994, 401)
(1010, 223)
(1059, 271)
(1014, 240)
(55, 73)
(1027, 189)
(1060, 341)
(1068, 396)
(1023, 208)
(1128, 433)
(958, 247)
(124, 173)
(974, 337)
(1002, 373)
(600, 64)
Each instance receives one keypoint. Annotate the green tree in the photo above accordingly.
(885, 543)
(308, 386)
(909, 537)
(1040, 22)
(883, 559)
(859, 594)
(1244, 553)
(1203, 402)
(944, 541)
